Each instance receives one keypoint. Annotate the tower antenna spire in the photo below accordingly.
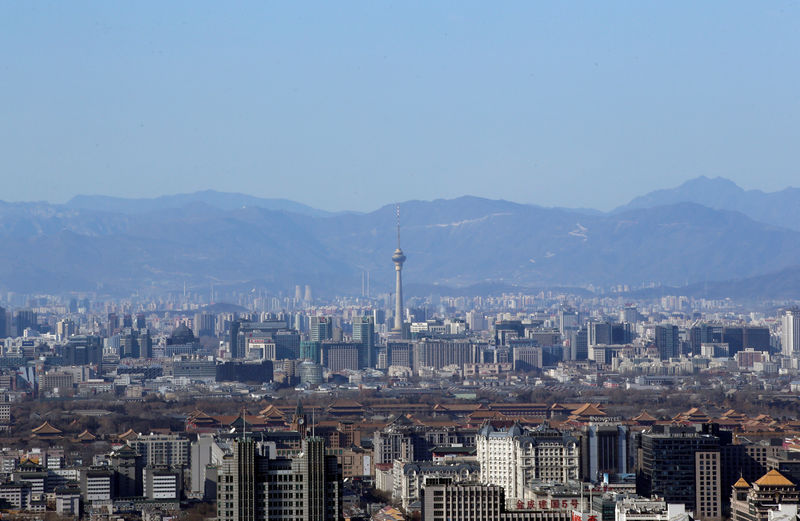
(397, 210)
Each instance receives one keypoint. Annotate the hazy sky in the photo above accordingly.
(351, 105)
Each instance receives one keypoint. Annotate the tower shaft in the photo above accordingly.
(398, 298)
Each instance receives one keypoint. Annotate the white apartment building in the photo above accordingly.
(790, 332)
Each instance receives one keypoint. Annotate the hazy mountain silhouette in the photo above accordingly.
(221, 200)
(781, 208)
(458, 242)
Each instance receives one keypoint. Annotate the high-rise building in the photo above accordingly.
(568, 320)
(320, 328)
(3, 323)
(364, 333)
(203, 324)
(677, 464)
(24, 319)
(398, 258)
(609, 333)
(667, 341)
(65, 328)
(790, 339)
(338, 356)
(233, 340)
(253, 484)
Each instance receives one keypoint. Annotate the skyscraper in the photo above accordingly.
(253, 485)
(3, 323)
(398, 258)
(790, 340)
(667, 341)
(364, 333)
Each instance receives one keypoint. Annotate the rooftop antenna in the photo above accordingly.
(313, 423)
(244, 423)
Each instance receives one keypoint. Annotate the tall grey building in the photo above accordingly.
(364, 333)
(253, 485)
(668, 341)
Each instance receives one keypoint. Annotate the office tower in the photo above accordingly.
(436, 354)
(162, 449)
(254, 485)
(400, 354)
(24, 319)
(310, 350)
(145, 344)
(701, 334)
(579, 344)
(140, 322)
(734, 337)
(128, 344)
(568, 320)
(233, 340)
(790, 339)
(364, 333)
(604, 450)
(236, 483)
(204, 324)
(65, 328)
(629, 314)
(112, 324)
(667, 341)
(307, 295)
(338, 356)
(757, 338)
(398, 258)
(609, 333)
(298, 293)
(3, 323)
(83, 350)
(127, 474)
(320, 328)
(668, 465)
(476, 321)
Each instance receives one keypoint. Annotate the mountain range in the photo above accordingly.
(691, 238)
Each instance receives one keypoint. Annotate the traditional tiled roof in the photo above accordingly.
(86, 436)
(773, 478)
(45, 428)
(588, 409)
(345, 403)
(645, 416)
(741, 484)
(271, 412)
(130, 433)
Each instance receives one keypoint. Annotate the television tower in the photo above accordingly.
(398, 258)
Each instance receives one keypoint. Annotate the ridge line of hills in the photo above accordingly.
(704, 230)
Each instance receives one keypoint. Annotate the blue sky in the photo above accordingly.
(352, 105)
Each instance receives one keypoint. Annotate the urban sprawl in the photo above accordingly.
(555, 406)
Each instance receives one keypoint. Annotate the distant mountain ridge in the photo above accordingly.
(458, 243)
(781, 208)
(221, 200)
